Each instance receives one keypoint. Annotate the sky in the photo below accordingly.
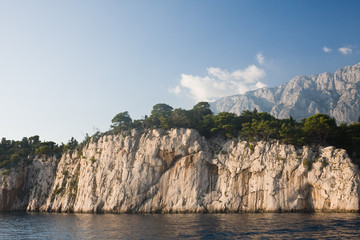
(68, 67)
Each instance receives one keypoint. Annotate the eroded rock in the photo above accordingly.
(180, 171)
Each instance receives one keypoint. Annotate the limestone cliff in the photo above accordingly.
(180, 171)
(27, 186)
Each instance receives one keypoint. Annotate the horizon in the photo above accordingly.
(69, 68)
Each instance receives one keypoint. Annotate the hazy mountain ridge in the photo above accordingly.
(337, 95)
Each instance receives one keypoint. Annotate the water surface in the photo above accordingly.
(180, 226)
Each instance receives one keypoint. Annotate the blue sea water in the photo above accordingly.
(180, 226)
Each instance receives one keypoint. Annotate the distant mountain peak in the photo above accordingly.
(336, 94)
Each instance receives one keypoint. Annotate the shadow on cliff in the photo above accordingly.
(306, 202)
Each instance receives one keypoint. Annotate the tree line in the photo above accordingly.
(317, 130)
(12, 152)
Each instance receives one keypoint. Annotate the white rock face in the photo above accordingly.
(273, 177)
(179, 171)
(138, 173)
(337, 95)
(27, 186)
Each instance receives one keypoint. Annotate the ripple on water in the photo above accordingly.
(179, 226)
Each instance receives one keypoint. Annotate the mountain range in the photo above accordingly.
(336, 94)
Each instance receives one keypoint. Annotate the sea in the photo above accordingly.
(22, 225)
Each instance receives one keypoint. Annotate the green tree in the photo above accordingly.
(34, 140)
(200, 116)
(318, 127)
(48, 148)
(71, 145)
(207, 124)
(121, 121)
(247, 116)
(291, 133)
(247, 132)
(15, 157)
(181, 118)
(160, 116)
(264, 129)
(225, 123)
(200, 110)
(139, 124)
(353, 141)
(259, 130)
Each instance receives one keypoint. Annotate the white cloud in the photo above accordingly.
(176, 90)
(326, 49)
(260, 58)
(219, 83)
(345, 50)
(260, 85)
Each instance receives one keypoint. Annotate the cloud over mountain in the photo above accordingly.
(220, 82)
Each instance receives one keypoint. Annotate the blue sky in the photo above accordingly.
(68, 67)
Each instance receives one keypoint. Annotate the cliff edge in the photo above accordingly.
(181, 171)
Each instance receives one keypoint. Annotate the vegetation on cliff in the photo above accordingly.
(12, 152)
(317, 130)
